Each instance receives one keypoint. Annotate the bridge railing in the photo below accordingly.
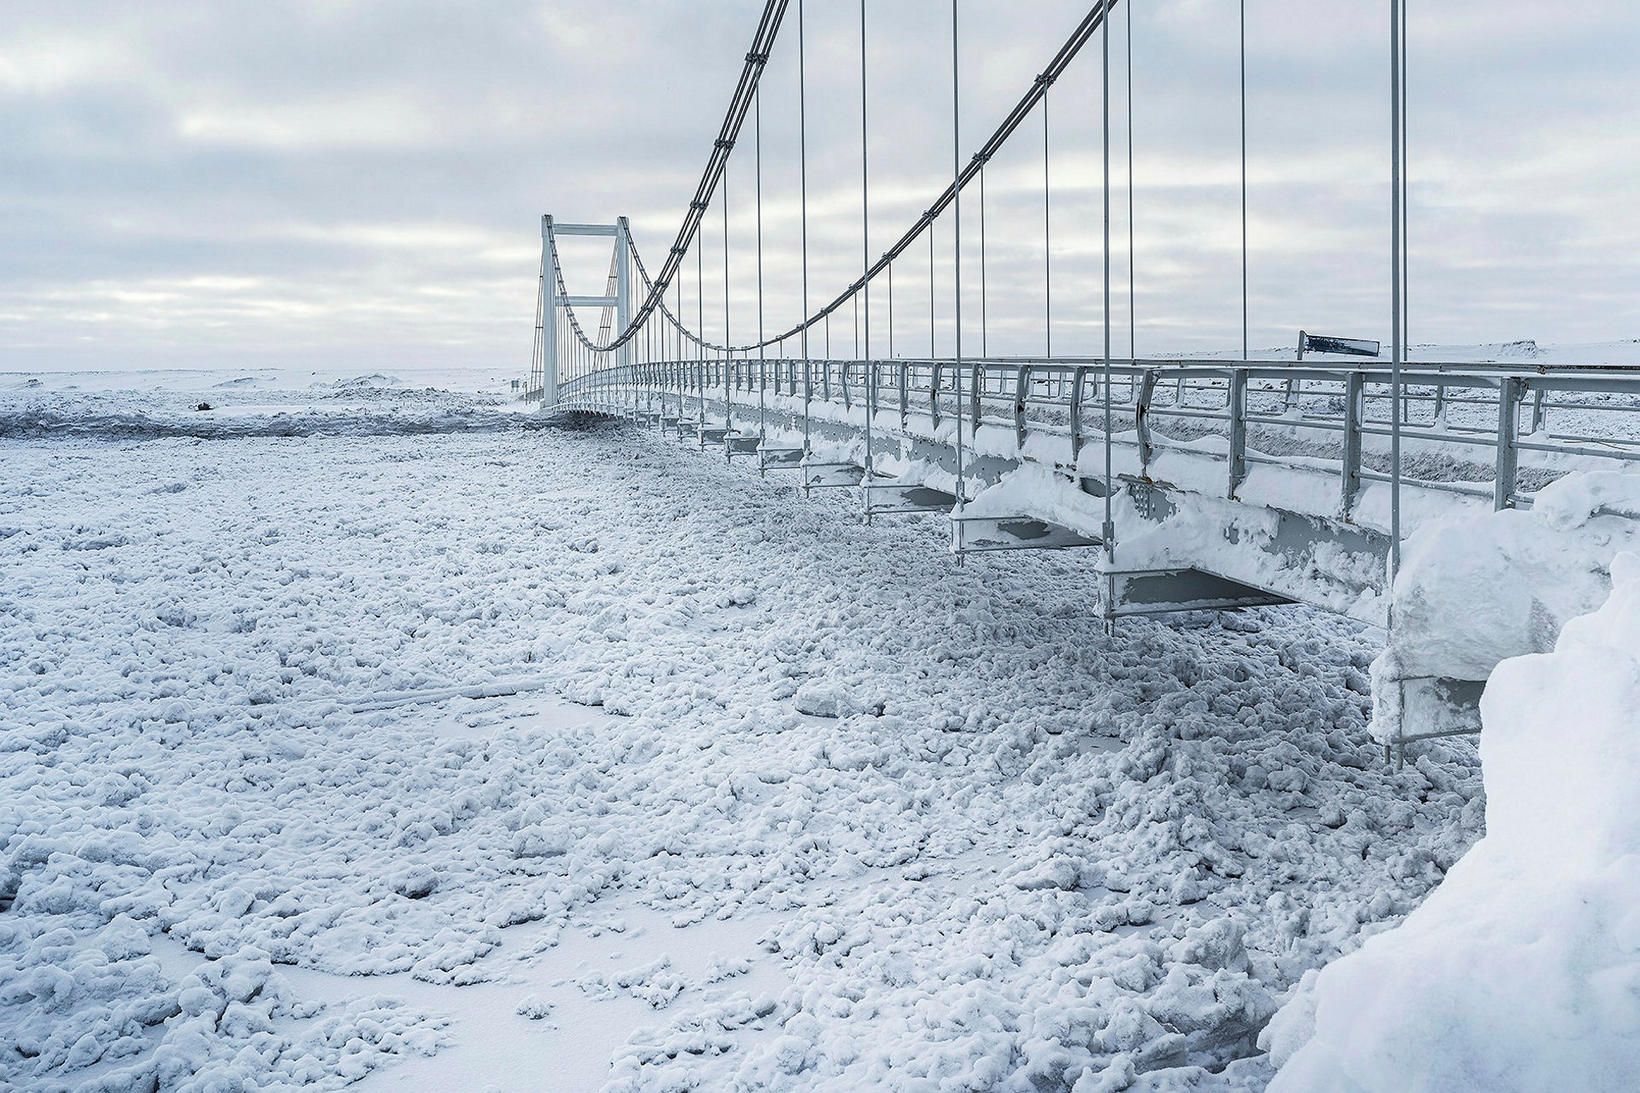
(1475, 430)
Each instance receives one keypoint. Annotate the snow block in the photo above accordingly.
(1522, 970)
(1474, 591)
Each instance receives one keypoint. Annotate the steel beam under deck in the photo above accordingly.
(836, 460)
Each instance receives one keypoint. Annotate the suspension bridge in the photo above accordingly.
(1192, 484)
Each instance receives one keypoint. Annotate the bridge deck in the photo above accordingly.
(1231, 485)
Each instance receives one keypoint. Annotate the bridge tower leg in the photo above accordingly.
(623, 286)
(549, 315)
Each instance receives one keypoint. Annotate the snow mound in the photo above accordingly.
(1475, 591)
(235, 423)
(1525, 349)
(357, 383)
(1522, 970)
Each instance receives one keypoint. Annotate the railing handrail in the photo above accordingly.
(924, 387)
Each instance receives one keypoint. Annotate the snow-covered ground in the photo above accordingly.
(1522, 970)
(750, 794)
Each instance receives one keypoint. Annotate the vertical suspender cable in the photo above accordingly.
(1406, 241)
(728, 416)
(803, 190)
(865, 245)
(678, 345)
(677, 325)
(931, 282)
(1395, 292)
(1104, 104)
(1047, 238)
(956, 247)
(984, 346)
(757, 158)
(1243, 30)
(537, 351)
(700, 322)
(1133, 322)
(891, 311)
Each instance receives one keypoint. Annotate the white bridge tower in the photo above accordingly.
(559, 353)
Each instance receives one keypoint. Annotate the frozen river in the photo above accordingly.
(749, 792)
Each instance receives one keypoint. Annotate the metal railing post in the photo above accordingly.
(974, 400)
(1079, 378)
(1510, 391)
(1238, 431)
(934, 393)
(1022, 387)
(1141, 419)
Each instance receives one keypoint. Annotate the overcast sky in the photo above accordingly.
(276, 182)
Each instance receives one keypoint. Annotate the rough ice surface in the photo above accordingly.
(1522, 970)
(292, 790)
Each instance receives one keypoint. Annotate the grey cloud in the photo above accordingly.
(219, 182)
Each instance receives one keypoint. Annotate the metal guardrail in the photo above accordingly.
(1463, 418)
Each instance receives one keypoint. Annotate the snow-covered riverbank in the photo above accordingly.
(1023, 853)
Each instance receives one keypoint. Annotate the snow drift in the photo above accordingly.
(1475, 591)
(1522, 970)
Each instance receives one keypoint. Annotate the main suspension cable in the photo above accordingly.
(768, 28)
(1021, 110)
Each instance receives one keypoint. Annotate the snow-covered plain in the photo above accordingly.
(752, 795)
